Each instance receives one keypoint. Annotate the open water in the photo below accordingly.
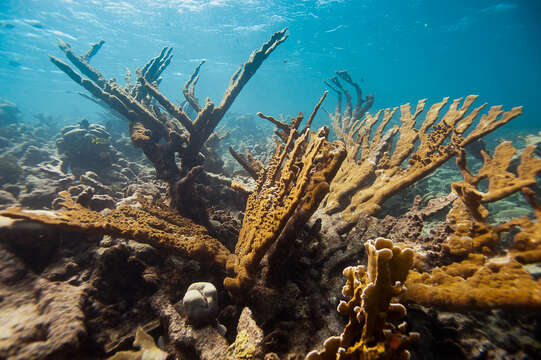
(400, 51)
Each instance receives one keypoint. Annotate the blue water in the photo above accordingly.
(402, 51)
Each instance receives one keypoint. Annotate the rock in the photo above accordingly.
(39, 198)
(39, 319)
(85, 147)
(149, 350)
(11, 171)
(100, 202)
(249, 340)
(200, 303)
(4, 143)
(34, 156)
(145, 252)
(90, 178)
(492, 334)
(206, 342)
(6, 199)
(52, 169)
(534, 140)
(13, 189)
(35, 244)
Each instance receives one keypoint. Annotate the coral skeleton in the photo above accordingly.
(343, 120)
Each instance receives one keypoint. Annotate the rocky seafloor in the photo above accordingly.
(69, 295)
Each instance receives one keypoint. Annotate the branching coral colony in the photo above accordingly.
(288, 192)
(492, 275)
(374, 168)
(163, 136)
(155, 224)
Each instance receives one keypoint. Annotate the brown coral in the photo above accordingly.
(156, 225)
(371, 332)
(475, 283)
(482, 280)
(472, 232)
(374, 168)
(288, 191)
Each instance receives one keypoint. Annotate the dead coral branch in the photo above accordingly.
(162, 135)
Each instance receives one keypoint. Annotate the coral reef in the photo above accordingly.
(371, 332)
(534, 140)
(39, 317)
(373, 170)
(207, 343)
(288, 192)
(489, 334)
(123, 251)
(246, 133)
(110, 281)
(11, 171)
(37, 174)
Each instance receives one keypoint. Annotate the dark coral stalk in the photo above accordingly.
(163, 136)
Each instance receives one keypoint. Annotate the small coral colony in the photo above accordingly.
(268, 245)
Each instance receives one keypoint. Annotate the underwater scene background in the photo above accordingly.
(162, 198)
(402, 50)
